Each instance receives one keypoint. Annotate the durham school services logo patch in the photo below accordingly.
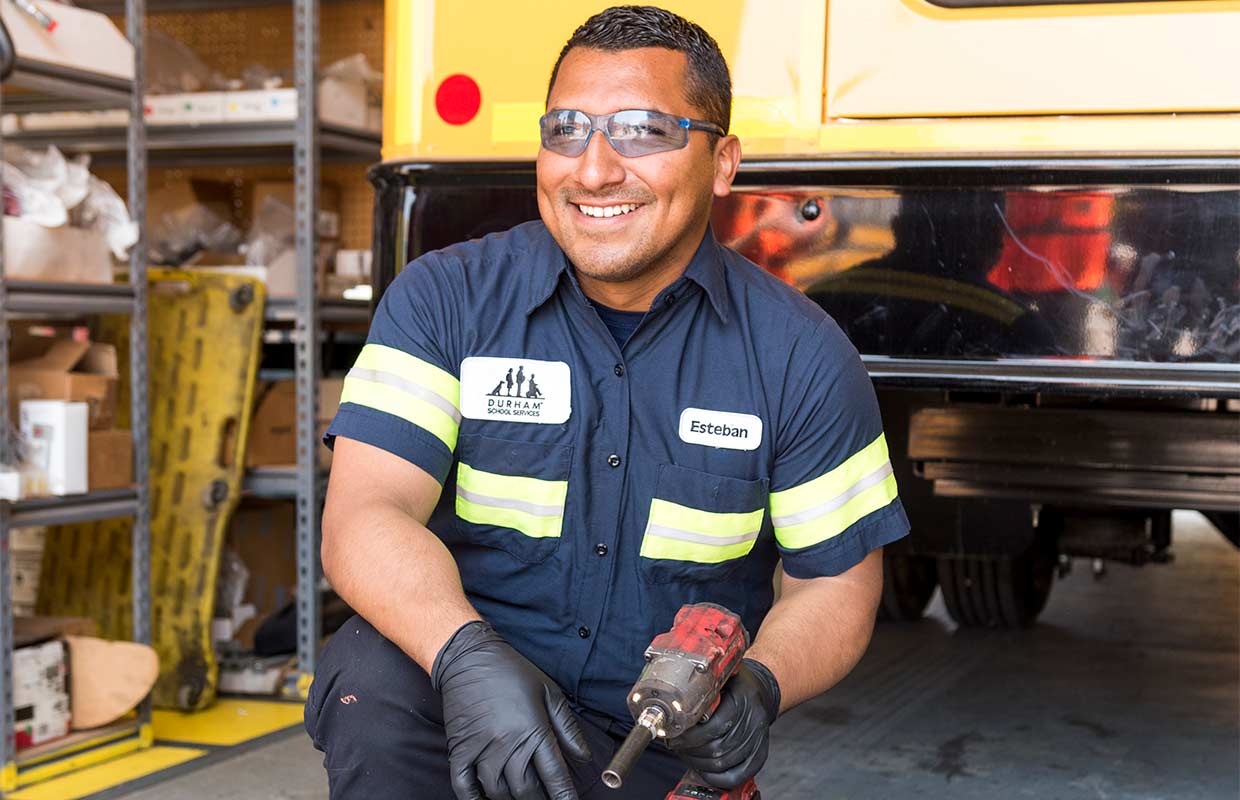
(516, 390)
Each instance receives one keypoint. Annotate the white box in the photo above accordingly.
(56, 439)
(353, 264)
(40, 693)
(263, 105)
(187, 108)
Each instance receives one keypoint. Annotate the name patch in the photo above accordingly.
(720, 429)
(516, 390)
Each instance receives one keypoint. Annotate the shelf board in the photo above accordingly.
(45, 297)
(78, 741)
(240, 143)
(49, 85)
(331, 309)
(276, 483)
(89, 507)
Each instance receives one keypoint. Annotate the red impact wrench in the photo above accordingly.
(679, 687)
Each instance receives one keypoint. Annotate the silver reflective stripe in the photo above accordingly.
(664, 532)
(873, 479)
(397, 382)
(533, 509)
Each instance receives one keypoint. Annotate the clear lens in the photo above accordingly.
(639, 133)
(566, 132)
(632, 133)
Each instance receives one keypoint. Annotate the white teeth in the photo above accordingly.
(607, 211)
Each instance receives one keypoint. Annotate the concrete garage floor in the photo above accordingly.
(1127, 689)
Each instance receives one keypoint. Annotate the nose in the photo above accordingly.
(600, 165)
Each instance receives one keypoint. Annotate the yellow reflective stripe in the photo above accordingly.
(532, 506)
(691, 534)
(837, 521)
(528, 524)
(404, 386)
(514, 487)
(398, 403)
(411, 368)
(827, 505)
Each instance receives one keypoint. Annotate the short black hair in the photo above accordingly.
(709, 83)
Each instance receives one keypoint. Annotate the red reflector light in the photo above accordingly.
(458, 99)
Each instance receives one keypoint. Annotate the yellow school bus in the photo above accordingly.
(1024, 213)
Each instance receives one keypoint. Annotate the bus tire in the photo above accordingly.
(908, 584)
(997, 591)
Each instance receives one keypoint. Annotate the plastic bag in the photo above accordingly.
(172, 67)
(105, 211)
(181, 234)
(273, 232)
(34, 203)
(49, 171)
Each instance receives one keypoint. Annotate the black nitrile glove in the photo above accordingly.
(730, 747)
(503, 717)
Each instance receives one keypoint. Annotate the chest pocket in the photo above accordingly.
(701, 526)
(511, 495)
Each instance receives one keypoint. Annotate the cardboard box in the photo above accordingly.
(85, 40)
(40, 693)
(78, 371)
(264, 535)
(26, 568)
(109, 459)
(272, 436)
(55, 434)
(60, 255)
(343, 102)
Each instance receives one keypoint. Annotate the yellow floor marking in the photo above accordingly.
(105, 776)
(227, 722)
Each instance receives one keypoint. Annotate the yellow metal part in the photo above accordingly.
(79, 760)
(205, 330)
(228, 722)
(90, 777)
(814, 78)
(304, 681)
(8, 777)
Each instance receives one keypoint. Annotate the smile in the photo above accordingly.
(608, 211)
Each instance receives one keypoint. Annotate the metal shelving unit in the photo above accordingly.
(74, 88)
(232, 144)
(309, 142)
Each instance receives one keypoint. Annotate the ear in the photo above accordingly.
(727, 159)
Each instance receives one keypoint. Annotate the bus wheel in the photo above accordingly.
(997, 591)
(908, 585)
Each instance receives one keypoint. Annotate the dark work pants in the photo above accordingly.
(373, 714)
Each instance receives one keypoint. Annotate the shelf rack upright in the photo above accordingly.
(67, 88)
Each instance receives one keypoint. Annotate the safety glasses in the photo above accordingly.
(633, 132)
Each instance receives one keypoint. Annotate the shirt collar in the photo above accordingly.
(705, 269)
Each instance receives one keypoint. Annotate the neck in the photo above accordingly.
(637, 294)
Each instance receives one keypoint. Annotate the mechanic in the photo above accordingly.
(696, 421)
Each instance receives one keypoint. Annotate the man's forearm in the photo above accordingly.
(399, 576)
(818, 629)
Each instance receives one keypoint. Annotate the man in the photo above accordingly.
(511, 558)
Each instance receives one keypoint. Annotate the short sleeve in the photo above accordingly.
(403, 392)
(833, 493)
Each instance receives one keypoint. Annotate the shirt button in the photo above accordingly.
(619, 370)
(669, 300)
(583, 632)
(613, 460)
(601, 549)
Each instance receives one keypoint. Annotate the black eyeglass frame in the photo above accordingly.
(599, 122)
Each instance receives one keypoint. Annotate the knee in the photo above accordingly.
(365, 686)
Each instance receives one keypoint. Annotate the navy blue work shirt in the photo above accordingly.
(590, 490)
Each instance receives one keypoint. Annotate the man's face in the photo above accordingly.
(672, 191)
